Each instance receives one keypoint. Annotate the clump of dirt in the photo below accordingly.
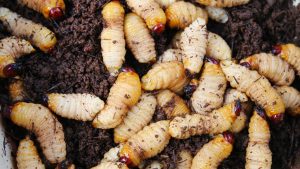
(257, 26)
(86, 145)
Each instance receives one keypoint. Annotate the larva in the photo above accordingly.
(154, 165)
(170, 55)
(48, 130)
(167, 75)
(165, 3)
(12, 48)
(27, 155)
(214, 152)
(256, 87)
(193, 43)
(181, 14)
(15, 47)
(217, 47)
(110, 165)
(171, 104)
(139, 39)
(218, 121)
(184, 160)
(291, 98)
(137, 118)
(113, 154)
(258, 153)
(124, 94)
(112, 37)
(222, 3)
(83, 107)
(217, 14)
(16, 90)
(175, 43)
(53, 9)
(151, 12)
(37, 34)
(290, 53)
(272, 67)
(146, 143)
(233, 95)
(211, 89)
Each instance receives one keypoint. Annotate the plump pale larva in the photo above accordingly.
(16, 90)
(47, 129)
(37, 34)
(272, 67)
(258, 153)
(211, 89)
(181, 14)
(137, 118)
(12, 48)
(217, 47)
(15, 47)
(151, 12)
(110, 165)
(218, 121)
(146, 143)
(214, 152)
(233, 95)
(171, 55)
(27, 155)
(291, 98)
(193, 44)
(165, 3)
(124, 94)
(185, 159)
(175, 43)
(83, 107)
(112, 37)
(222, 3)
(155, 165)
(139, 39)
(217, 14)
(53, 9)
(167, 75)
(113, 154)
(256, 87)
(291, 54)
(171, 104)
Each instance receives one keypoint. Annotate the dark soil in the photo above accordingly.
(75, 65)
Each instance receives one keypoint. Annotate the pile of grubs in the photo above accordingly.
(158, 90)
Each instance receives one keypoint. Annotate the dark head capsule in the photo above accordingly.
(276, 49)
(246, 64)
(56, 13)
(228, 137)
(158, 29)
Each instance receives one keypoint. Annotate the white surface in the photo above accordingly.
(5, 153)
(296, 2)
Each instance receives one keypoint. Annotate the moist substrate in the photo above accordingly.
(75, 65)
